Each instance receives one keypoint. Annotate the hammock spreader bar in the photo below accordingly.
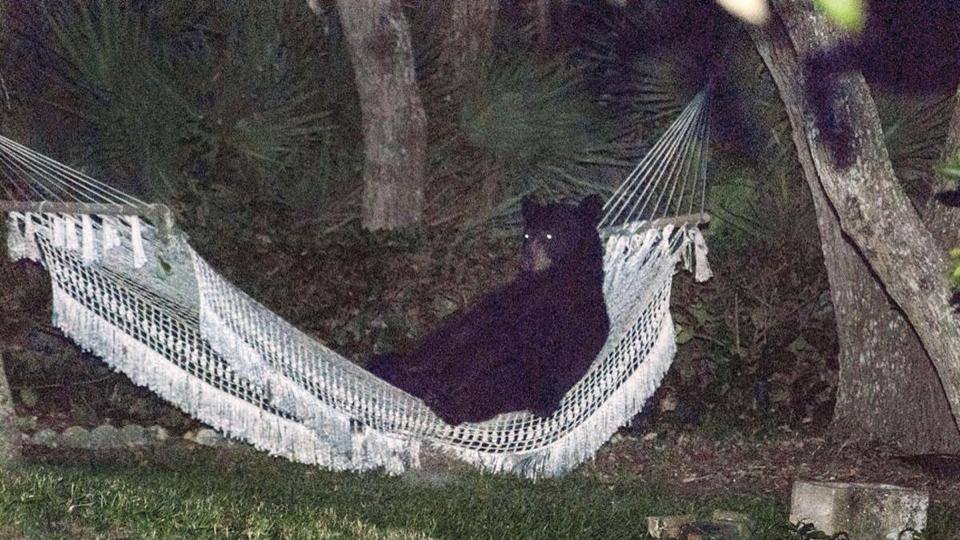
(159, 214)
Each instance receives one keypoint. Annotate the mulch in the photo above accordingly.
(692, 464)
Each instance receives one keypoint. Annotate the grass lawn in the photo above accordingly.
(204, 494)
(199, 493)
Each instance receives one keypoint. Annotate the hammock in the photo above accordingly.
(129, 288)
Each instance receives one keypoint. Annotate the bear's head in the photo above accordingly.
(559, 233)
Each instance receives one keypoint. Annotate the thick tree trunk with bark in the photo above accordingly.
(893, 347)
(394, 123)
(8, 442)
(543, 18)
(881, 360)
(467, 38)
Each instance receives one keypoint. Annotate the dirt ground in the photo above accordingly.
(691, 463)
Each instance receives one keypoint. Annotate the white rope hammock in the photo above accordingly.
(132, 291)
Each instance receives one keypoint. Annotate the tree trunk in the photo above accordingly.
(394, 123)
(544, 23)
(880, 357)
(8, 443)
(467, 38)
(888, 386)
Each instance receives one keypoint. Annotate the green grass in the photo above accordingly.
(202, 494)
(205, 495)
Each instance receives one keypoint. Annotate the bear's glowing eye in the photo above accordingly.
(549, 237)
(526, 236)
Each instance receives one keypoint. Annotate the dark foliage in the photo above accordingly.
(52, 378)
(191, 103)
(648, 59)
(757, 345)
(907, 47)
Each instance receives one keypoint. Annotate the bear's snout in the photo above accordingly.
(535, 257)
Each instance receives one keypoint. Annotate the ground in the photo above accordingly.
(218, 491)
(697, 465)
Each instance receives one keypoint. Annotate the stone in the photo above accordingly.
(209, 437)
(668, 403)
(105, 436)
(724, 525)
(733, 524)
(859, 510)
(158, 433)
(25, 423)
(206, 437)
(666, 527)
(134, 435)
(46, 437)
(443, 306)
(75, 437)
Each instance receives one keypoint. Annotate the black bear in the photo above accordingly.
(525, 344)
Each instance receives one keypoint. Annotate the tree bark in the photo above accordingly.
(544, 23)
(8, 443)
(880, 357)
(394, 122)
(467, 38)
(888, 386)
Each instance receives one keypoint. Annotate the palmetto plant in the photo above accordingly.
(914, 128)
(543, 134)
(118, 86)
(762, 199)
(180, 93)
(526, 126)
(756, 193)
(537, 121)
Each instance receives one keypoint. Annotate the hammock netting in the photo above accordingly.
(140, 297)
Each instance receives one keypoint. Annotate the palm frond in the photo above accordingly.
(914, 129)
(175, 88)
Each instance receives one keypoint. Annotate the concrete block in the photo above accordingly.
(667, 527)
(860, 510)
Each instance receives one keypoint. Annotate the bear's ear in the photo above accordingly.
(590, 208)
(529, 209)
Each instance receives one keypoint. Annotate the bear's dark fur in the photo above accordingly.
(525, 344)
